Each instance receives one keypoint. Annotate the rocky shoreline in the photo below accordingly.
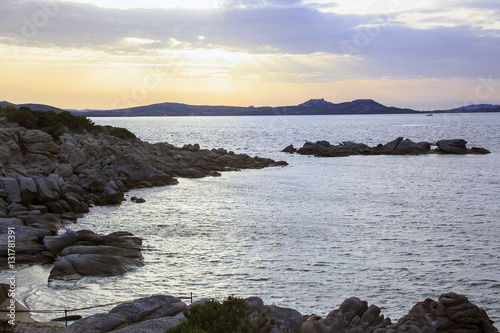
(400, 146)
(451, 313)
(46, 183)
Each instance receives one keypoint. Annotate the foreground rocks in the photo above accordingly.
(451, 313)
(47, 183)
(400, 146)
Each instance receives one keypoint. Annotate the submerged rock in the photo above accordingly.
(138, 200)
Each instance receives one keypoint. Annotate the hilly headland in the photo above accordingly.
(310, 107)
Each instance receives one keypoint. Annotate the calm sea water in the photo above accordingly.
(392, 230)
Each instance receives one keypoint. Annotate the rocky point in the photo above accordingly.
(46, 183)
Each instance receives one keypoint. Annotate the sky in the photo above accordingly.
(108, 54)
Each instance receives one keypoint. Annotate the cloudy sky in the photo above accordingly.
(119, 53)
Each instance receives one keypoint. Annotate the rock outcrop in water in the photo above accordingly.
(92, 254)
(45, 183)
(451, 313)
(400, 146)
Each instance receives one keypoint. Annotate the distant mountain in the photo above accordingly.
(39, 107)
(310, 107)
(475, 107)
(316, 103)
(4, 104)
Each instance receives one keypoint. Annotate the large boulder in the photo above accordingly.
(64, 170)
(286, 320)
(391, 146)
(408, 147)
(151, 307)
(113, 194)
(150, 314)
(54, 207)
(39, 142)
(102, 250)
(455, 313)
(44, 148)
(307, 149)
(454, 146)
(75, 265)
(121, 239)
(353, 315)
(12, 190)
(34, 136)
(76, 203)
(28, 189)
(5, 154)
(452, 313)
(93, 254)
(289, 149)
(98, 323)
(38, 258)
(56, 244)
(153, 325)
(48, 189)
(49, 222)
(29, 249)
(10, 222)
(76, 158)
(16, 209)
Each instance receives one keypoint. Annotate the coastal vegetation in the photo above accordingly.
(230, 315)
(59, 123)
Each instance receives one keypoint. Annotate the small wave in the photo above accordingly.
(260, 279)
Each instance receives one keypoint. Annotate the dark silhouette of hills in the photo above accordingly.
(311, 107)
(39, 107)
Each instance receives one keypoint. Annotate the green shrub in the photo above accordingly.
(119, 132)
(22, 116)
(232, 315)
(54, 131)
(54, 123)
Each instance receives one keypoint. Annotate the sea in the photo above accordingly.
(391, 230)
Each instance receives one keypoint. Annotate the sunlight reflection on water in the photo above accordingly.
(392, 230)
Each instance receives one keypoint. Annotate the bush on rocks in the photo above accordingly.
(55, 124)
(231, 315)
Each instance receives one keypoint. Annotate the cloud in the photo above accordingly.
(481, 4)
(231, 4)
(378, 45)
